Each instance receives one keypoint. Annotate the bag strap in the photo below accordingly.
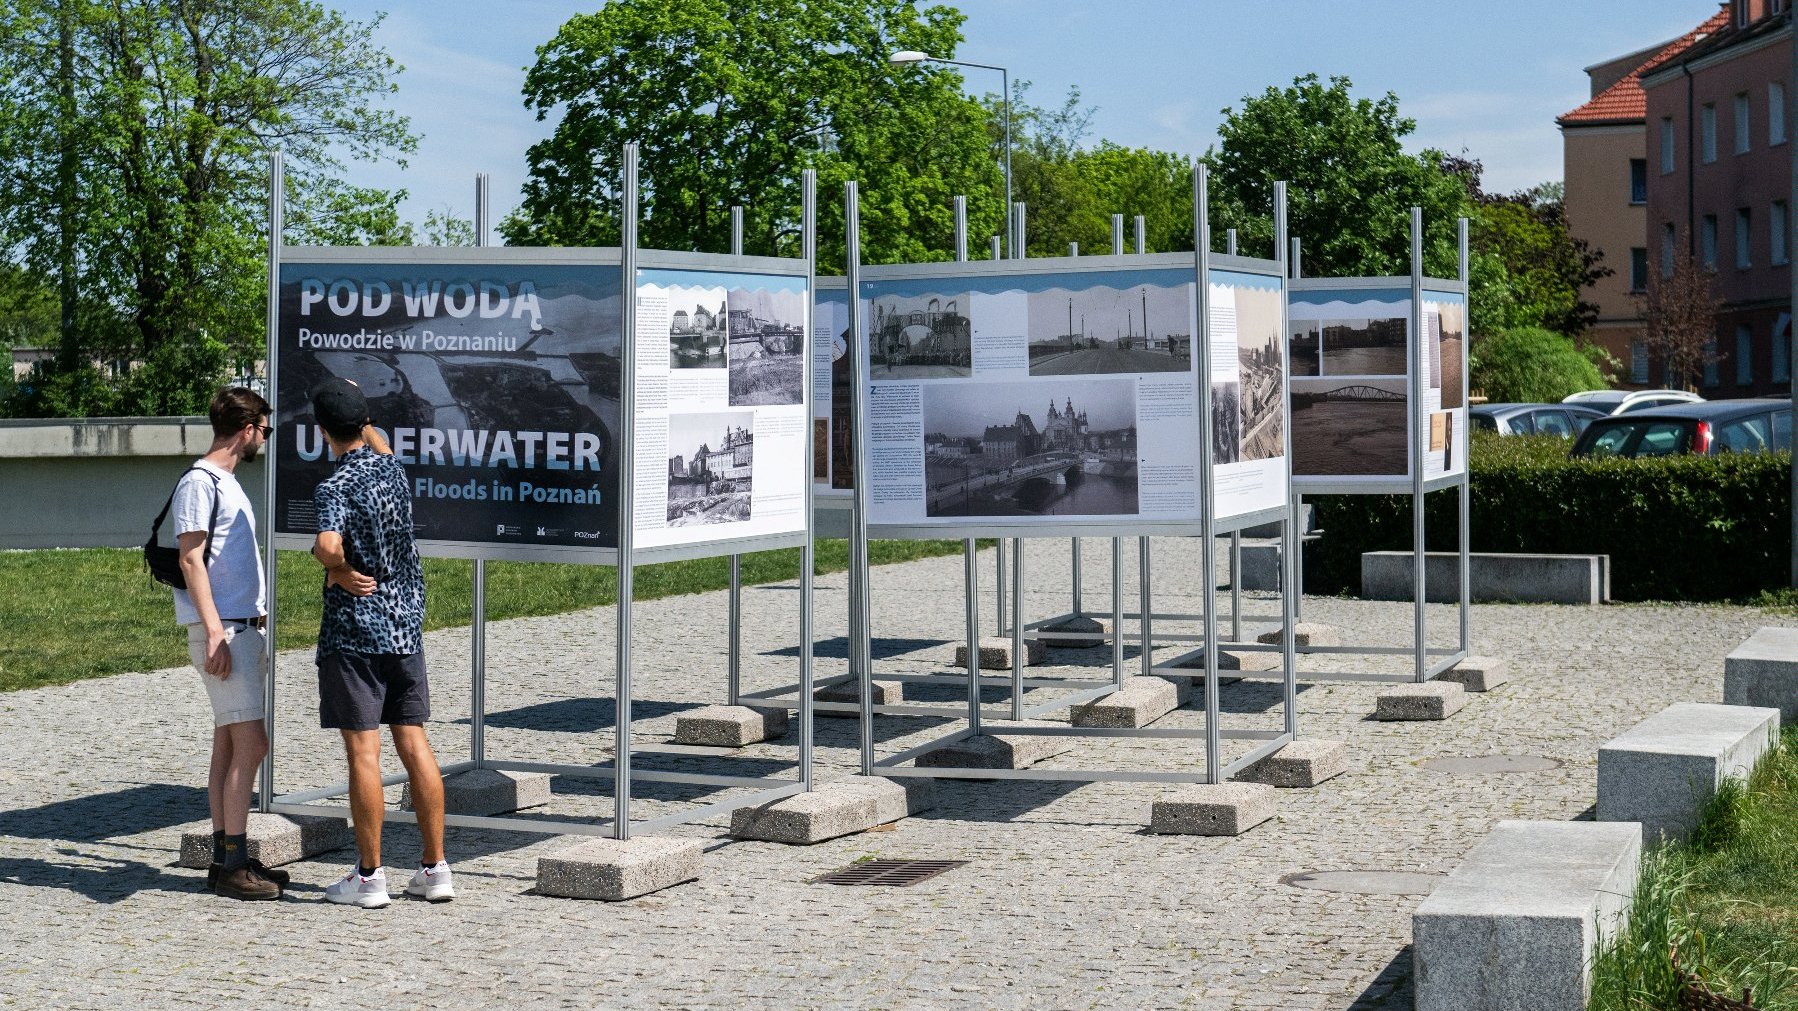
(211, 524)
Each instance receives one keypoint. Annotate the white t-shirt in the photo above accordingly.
(236, 569)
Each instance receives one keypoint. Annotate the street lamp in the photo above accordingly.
(909, 56)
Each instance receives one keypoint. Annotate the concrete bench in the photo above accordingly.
(1518, 923)
(1663, 771)
(1261, 562)
(1764, 672)
(1492, 577)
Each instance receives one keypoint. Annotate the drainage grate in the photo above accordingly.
(890, 873)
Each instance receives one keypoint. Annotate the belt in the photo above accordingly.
(257, 622)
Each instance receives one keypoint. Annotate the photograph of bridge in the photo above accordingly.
(1104, 330)
(1453, 349)
(1304, 348)
(1349, 427)
(1363, 347)
(711, 465)
(767, 342)
(925, 336)
(1031, 449)
(1258, 347)
(697, 320)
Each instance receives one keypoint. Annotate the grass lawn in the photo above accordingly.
(68, 615)
(1728, 900)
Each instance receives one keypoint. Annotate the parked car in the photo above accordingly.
(1711, 428)
(1630, 401)
(1564, 420)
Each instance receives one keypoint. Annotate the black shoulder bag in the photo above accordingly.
(164, 564)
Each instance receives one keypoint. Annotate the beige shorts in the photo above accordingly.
(237, 698)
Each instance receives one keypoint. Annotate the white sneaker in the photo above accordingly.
(433, 884)
(354, 889)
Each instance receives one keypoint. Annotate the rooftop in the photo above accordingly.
(1625, 101)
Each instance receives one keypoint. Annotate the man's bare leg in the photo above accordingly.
(215, 777)
(248, 743)
(367, 804)
(414, 746)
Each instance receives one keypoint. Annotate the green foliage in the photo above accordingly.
(730, 99)
(338, 214)
(1531, 272)
(1530, 365)
(1665, 521)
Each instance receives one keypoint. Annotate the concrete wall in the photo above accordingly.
(96, 482)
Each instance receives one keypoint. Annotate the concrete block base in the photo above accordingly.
(1663, 771)
(1299, 765)
(729, 726)
(1478, 673)
(1431, 700)
(995, 751)
(484, 792)
(1141, 701)
(1764, 672)
(1212, 809)
(274, 839)
(1305, 633)
(995, 653)
(1078, 631)
(618, 869)
(835, 809)
(886, 693)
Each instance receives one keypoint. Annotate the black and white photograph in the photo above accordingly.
(767, 347)
(1302, 347)
(1226, 423)
(698, 328)
(927, 336)
(1452, 354)
(1364, 347)
(711, 460)
(1031, 448)
(1349, 427)
(1104, 330)
(1263, 392)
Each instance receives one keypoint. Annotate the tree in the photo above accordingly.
(1679, 320)
(1531, 365)
(729, 100)
(134, 172)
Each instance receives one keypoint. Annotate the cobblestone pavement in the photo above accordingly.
(1066, 901)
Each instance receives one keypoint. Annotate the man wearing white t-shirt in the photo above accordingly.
(224, 610)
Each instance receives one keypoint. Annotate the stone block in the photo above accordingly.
(1518, 923)
(1431, 700)
(1212, 809)
(1261, 560)
(729, 726)
(995, 653)
(1076, 631)
(618, 869)
(1305, 633)
(1764, 672)
(854, 805)
(1478, 673)
(1662, 771)
(995, 751)
(1141, 701)
(484, 792)
(1492, 577)
(274, 839)
(1300, 764)
(886, 693)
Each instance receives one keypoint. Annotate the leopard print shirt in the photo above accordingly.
(368, 502)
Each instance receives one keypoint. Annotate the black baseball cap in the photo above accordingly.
(338, 405)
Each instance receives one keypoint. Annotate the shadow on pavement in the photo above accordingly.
(144, 807)
(581, 716)
(1391, 989)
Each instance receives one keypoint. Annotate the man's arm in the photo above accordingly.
(327, 547)
(191, 548)
(372, 436)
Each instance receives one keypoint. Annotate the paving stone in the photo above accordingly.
(274, 839)
(996, 751)
(619, 869)
(1431, 700)
(1306, 633)
(729, 726)
(995, 653)
(482, 793)
(1212, 809)
(1141, 701)
(886, 693)
(1478, 673)
(832, 810)
(1301, 764)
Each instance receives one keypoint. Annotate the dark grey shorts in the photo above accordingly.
(361, 691)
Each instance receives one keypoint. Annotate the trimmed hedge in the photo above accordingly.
(1676, 528)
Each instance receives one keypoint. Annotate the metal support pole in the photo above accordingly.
(477, 629)
(1117, 543)
(1418, 435)
(627, 424)
(809, 238)
(969, 548)
(276, 190)
(1143, 603)
(1289, 534)
(1230, 241)
(1142, 235)
(1017, 631)
(1298, 555)
(996, 254)
(1235, 586)
(733, 690)
(860, 646)
(1297, 259)
(1074, 544)
(1465, 440)
(1207, 476)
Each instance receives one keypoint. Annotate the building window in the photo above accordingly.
(1779, 226)
(1710, 363)
(1669, 249)
(1638, 180)
(1744, 355)
(1638, 269)
(1776, 113)
(1741, 123)
(1744, 239)
(1707, 132)
(1666, 145)
(1638, 362)
(1707, 242)
(1782, 349)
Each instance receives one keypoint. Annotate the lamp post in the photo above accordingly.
(910, 56)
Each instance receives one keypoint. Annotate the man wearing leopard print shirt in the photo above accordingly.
(371, 666)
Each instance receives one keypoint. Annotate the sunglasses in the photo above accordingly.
(266, 430)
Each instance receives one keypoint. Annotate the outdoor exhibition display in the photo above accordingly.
(1095, 396)
(543, 415)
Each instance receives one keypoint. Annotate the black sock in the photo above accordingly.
(367, 872)
(218, 846)
(236, 853)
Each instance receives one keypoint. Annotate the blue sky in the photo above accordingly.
(1487, 78)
